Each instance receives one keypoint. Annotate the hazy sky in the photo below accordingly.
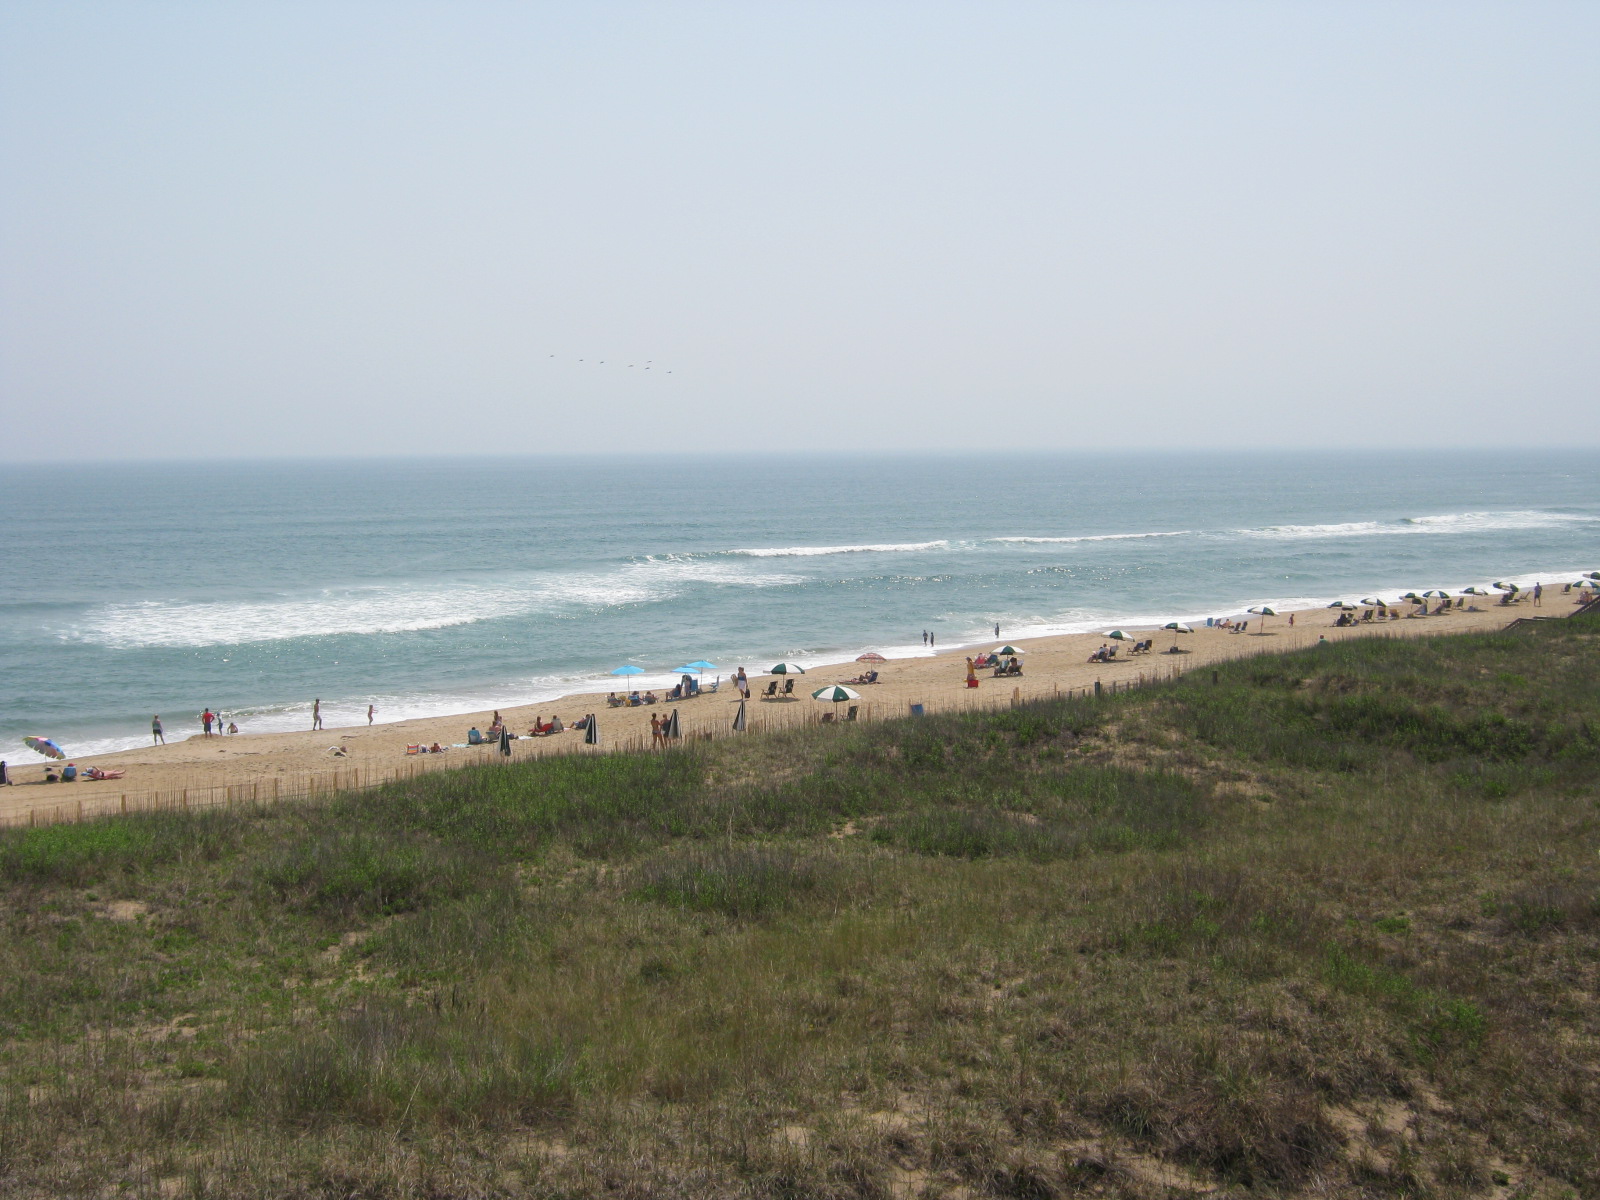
(332, 228)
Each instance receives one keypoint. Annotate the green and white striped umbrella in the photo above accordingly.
(787, 668)
(1121, 635)
(1435, 593)
(1342, 604)
(1178, 627)
(835, 694)
(1375, 602)
(1006, 651)
(1473, 591)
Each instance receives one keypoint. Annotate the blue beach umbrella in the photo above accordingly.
(701, 664)
(629, 669)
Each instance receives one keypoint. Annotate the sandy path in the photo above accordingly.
(936, 681)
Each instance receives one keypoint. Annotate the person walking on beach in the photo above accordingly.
(316, 713)
(1538, 594)
(742, 683)
(655, 729)
(371, 708)
(156, 735)
(205, 721)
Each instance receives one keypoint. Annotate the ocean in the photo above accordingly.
(435, 586)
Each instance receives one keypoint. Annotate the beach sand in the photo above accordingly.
(252, 762)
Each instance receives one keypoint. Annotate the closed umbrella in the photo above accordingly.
(672, 730)
(835, 693)
(44, 746)
(591, 731)
(738, 719)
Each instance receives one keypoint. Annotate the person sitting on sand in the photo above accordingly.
(634, 699)
(69, 772)
(474, 736)
(556, 726)
(436, 749)
(614, 700)
(232, 728)
(650, 697)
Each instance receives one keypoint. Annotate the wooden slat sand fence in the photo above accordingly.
(993, 694)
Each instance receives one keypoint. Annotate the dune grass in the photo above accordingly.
(1329, 925)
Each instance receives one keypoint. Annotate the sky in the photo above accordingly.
(244, 230)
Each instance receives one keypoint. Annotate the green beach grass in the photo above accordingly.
(1326, 925)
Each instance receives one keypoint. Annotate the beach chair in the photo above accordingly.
(788, 687)
(414, 749)
(772, 690)
(851, 714)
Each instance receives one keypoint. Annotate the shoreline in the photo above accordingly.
(475, 700)
(1052, 663)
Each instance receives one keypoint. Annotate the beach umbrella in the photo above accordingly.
(1121, 635)
(1412, 596)
(1264, 611)
(1586, 583)
(686, 669)
(1506, 587)
(871, 656)
(628, 669)
(591, 732)
(1436, 593)
(835, 693)
(44, 746)
(787, 668)
(1344, 604)
(1473, 591)
(738, 719)
(1008, 651)
(1177, 627)
(1594, 575)
(701, 664)
(671, 730)
(1376, 603)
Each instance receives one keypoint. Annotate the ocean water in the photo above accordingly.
(440, 586)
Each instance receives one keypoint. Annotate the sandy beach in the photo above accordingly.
(936, 681)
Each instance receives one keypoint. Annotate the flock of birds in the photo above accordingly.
(649, 364)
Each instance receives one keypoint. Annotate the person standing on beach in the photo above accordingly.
(1538, 594)
(930, 641)
(205, 721)
(655, 729)
(741, 682)
(316, 713)
(997, 629)
(371, 708)
(156, 735)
